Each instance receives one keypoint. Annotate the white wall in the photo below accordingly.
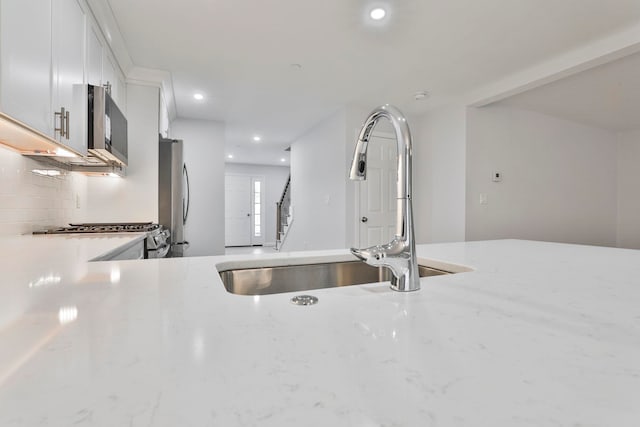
(559, 178)
(439, 175)
(318, 187)
(320, 161)
(134, 198)
(204, 156)
(30, 202)
(628, 232)
(275, 178)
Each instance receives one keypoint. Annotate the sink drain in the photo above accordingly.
(304, 300)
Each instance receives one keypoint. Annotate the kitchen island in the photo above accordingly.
(538, 334)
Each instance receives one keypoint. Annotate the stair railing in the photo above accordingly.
(283, 214)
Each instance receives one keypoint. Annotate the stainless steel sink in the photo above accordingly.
(296, 278)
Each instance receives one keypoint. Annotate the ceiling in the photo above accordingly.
(276, 68)
(607, 96)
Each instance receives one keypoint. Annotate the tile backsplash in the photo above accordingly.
(29, 201)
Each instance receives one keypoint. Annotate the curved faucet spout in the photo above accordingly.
(404, 143)
(399, 255)
(362, 254)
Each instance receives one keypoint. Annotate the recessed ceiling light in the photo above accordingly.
(378, 13)
(198, 96)
(230, 156)
(283, 159)
(257, 138)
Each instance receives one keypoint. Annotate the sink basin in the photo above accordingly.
(296, 278)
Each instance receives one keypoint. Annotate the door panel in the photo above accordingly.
(375, 197)
(237, 210)
(378, 193)
(375, 234)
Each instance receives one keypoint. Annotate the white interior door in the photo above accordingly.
(237, 198)
(378, 193)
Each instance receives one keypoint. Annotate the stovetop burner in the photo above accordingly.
(132, 227)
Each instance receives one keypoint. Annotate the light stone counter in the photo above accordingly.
(539, 334)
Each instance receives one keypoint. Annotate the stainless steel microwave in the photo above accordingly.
(107, 127)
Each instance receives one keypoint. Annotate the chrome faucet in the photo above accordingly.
(399, 255)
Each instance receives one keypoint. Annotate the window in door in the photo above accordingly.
(257, 208)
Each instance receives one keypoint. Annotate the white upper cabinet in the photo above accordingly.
(108, 71)
(42, 52)
(112, 76)
(25, 62)
(121, 95)
(95, 52)
(49, 51)
(69, 89)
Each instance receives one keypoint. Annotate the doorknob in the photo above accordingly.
(364, 219)
(248, 214)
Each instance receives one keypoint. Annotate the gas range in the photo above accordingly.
(156, 244)
(131, 227)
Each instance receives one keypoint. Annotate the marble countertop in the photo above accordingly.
(538, 334)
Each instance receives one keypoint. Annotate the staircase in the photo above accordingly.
(284, 216)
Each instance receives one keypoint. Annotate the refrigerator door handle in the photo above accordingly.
(185, 209)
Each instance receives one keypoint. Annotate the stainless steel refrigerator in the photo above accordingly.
(173, 193)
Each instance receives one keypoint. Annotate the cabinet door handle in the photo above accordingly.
(62, 120)
(66, 124)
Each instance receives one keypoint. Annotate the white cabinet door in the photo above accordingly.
(108, 72)
(112, 76)
(25, 62)
(121, 94)
(94, 58)
(69, 89)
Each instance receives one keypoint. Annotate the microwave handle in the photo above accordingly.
(185, 209)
